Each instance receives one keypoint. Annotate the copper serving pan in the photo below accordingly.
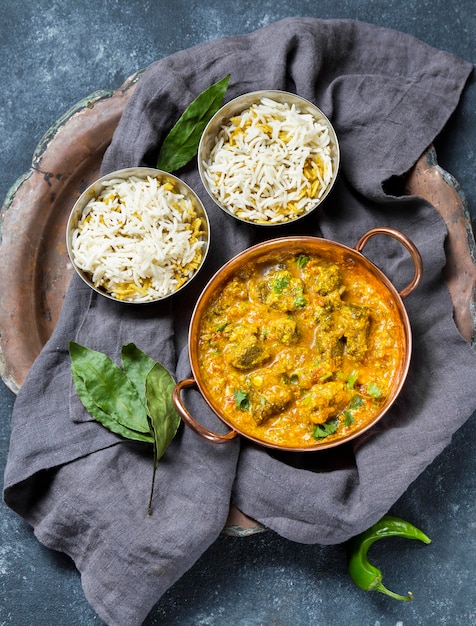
(312, 245)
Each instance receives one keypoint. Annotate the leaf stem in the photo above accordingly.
(149, 507)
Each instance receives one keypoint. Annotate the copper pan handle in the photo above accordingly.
(409, 245)
(191, 421)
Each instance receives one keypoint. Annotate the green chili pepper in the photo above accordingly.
(363, 573)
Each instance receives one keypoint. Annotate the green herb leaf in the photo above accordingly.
(280, 283)
(137, 366)
(106, 386)
(164, 420)
(348, 418)
(135, 403)
(356, 402)
(302, 260)
(101, 416)
(324, 430)
(181, 144)
(352, 379)
(300, 301)
(374, 390)
(242, 400)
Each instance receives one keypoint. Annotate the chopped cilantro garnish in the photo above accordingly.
(302, 260)
(242, 400)
(356, 402)
(324, 430)
(348, 418)
(300, 301)
(352, 379)
(374, 390)
(280, 283)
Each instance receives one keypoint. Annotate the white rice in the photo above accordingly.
(139, 240)
(270, 164)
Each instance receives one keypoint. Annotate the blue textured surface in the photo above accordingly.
(56, 52)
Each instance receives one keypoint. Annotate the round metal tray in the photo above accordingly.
(34, 267)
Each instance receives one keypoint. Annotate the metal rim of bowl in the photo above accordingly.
(95, 188)
(241, 103)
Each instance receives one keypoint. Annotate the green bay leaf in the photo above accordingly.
(164, 418)
(109, 388)
(181, 143)
(136, 364)
(101, 416)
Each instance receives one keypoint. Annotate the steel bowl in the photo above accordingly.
(236, 107)
(142, 173)
(265, 253)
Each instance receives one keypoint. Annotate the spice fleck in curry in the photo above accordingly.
(300, 350)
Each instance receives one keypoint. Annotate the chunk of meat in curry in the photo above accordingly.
(244, 349)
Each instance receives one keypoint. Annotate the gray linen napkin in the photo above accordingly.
(85, 491)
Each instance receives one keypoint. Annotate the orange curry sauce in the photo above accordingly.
(300, 350)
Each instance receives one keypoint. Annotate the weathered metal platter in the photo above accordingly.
(34, 266)
(35, 271)
(442, 190)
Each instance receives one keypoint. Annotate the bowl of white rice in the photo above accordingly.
(268, 157)
(138, 235)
